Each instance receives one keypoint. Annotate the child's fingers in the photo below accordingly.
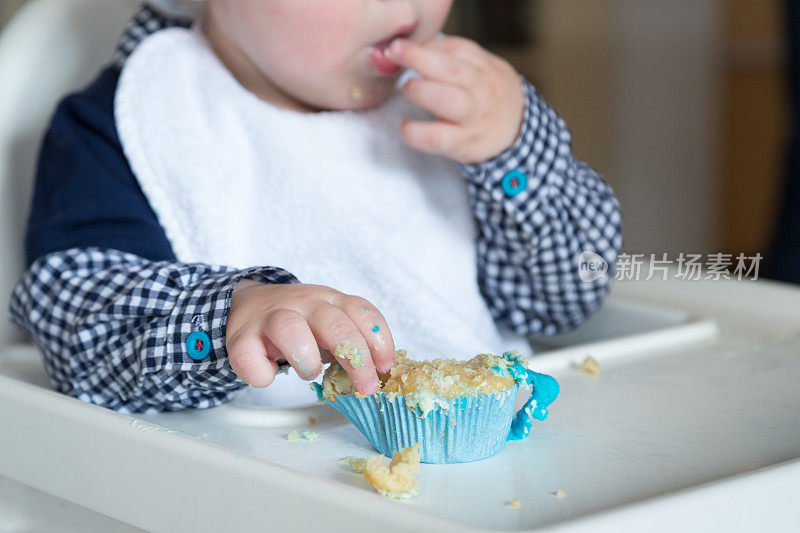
(434, 137)
(327, 357)
(445, 100)
(336, 332)
(433, 63)
(289, 332)
(373, 327)
(462, 48)
(248, 357)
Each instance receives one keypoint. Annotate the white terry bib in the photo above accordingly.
(336, 198)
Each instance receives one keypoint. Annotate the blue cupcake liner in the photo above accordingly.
(472, 428)
(469, 429)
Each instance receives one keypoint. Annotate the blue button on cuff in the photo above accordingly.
(198, 345)
(514, 183)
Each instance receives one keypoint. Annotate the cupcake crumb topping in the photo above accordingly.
(432, 382)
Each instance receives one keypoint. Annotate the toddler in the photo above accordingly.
(411, 190)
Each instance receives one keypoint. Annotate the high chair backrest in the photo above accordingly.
(50, 48)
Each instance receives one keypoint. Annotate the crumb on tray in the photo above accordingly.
(397, 479)
(590, 366)
(297, 435)
(358, 464)
(514, 504)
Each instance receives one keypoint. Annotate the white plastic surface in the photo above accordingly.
(651, 425)
(27, 510)
(690, 428)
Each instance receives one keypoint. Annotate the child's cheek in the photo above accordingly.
(435, 15)
(328, 36)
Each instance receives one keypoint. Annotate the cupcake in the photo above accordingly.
(457, 411)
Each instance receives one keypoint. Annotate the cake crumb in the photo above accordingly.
(310, 435)
(305, 434)
(345, 351)
(514, 504)
(560, 494)
(312, 420)
(397, 479)
(358, 464)
(590, 366)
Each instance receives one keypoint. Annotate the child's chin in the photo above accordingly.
(368, 103)
(367, 96)
(358, 98)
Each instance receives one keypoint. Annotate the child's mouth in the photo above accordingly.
(377, 52)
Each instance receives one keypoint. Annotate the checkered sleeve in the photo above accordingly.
(538, 209)
(146, 21)
(113, 327)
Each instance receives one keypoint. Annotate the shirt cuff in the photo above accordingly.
(196, 330)
(520, 172)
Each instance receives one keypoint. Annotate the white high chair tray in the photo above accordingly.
(691, 426)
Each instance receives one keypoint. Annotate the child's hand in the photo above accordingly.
(477, 96)
(269, 323)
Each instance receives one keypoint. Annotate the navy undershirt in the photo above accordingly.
(85, 193)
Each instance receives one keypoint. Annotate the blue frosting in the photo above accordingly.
(544, 390)
(316, 387)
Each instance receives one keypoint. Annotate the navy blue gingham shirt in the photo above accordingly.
(110, 307)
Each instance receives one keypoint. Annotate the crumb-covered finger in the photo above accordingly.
(373, 327)
(336, 332)
(291, 334)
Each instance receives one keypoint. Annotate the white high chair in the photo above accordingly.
(696, 400)
(50, 48)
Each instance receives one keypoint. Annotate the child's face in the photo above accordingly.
(323, 54)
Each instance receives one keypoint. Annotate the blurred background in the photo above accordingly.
(682, 105)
